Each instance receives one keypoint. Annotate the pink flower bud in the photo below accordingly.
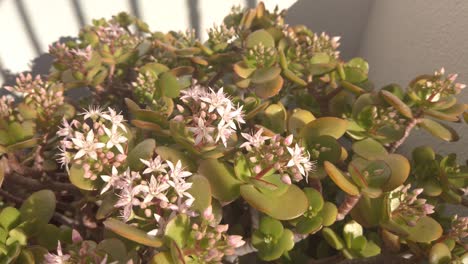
(235, 241)
(222, 228)
(286, 179)
(288, 140)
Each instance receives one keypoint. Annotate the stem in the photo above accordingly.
(348, 204)
(215, 78)
(408, 129)
(37, 185)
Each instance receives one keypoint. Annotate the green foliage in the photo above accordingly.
(188, 144)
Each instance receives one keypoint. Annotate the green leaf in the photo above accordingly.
(76, 177)
(132, 233)
(174, 155)
(309, 225)
(356, 70)
(114, 248)
(270, 88)
(241, 168)
(17, 235)
(423, 154)
(263, 75)
(399, 105)
(178, 229)
(107, 205)
(351, 230)
(328, 214)
(9, 217)
(289, 205)
(315, 199)
(332, 238)
(298, 120)
(339, 179)
(369, 149)
(371, 249)
(201, 191)
(439, 130)
(242, 69)
(439, 254)
(275, 118)
(48, 236)
(144, 150)
(39, 207)
(400, 167)
(223, 182)
(260, 36)
(270, 226)
(169, 85)
(332, 126)
(426, 230)
(329, 150)
(162, 258)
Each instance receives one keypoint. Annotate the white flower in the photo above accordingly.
(86, 146)
(115, 138)
(177, 171)
(93, 113)
(60, 258)
(217, 101)
(228, 117)
(154, 165)
(66, 130)
(202, 132)
(254, 140)
(127, 200)
(194, 93)
(64, 157)
(115, 118)
(155, 189)
(300, 159)
(224, 132)
(111, 180)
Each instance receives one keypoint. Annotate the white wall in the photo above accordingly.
(406, 38)
(27, 27)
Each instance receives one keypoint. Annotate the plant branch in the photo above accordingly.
(408, 129)
(348, 204)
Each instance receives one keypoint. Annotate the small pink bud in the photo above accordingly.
(222, 228)
(286, 179)
(76, 237)
(288, 140)
(235, 241)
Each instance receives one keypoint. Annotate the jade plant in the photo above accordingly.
(258, 144)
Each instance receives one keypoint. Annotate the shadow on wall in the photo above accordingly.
(343, 18)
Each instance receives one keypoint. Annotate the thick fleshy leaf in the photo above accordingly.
(223, 182)
(321, 63)
(201, 191)
(439, 254)
(270, 88)
(439, 130)
(39, 207)
(289, 205)
(132, 233)
(369, 149)
(169, 85)
(298, 119)
(174, 155)
(332, 126)
(178, 229)
(426, 230)
(423, 154)
(260, 36)
(114, 248)
(315, 199)
(332, 238)
(399, 105)
(328, 213)
(400, 167)
(162, 258)
(242, 168)
(275, 118)
(264, 75)
(293, 77)
(144, 150)
(9, 217)
(356, 70)
(76, 177)
(328, 148)
(270, 226)
(339, 179)
(243, 70)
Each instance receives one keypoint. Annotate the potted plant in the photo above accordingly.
(259, 144)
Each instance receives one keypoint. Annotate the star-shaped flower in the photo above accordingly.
(86, 146)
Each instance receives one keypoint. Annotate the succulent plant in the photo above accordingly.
(261, 142)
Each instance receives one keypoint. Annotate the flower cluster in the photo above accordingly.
(260, 56)
(80, 251)
(210, 116)
(459, 229)
(404, 203)
(211, 241)
(437, 86)
(44, 97)
(73, 58)
(96, 144)
(160, 191)
(308, 44)
(220, 36)
(278, 153)
(7, 109)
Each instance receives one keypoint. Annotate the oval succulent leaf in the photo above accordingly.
(399, 105)
(339, 179)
